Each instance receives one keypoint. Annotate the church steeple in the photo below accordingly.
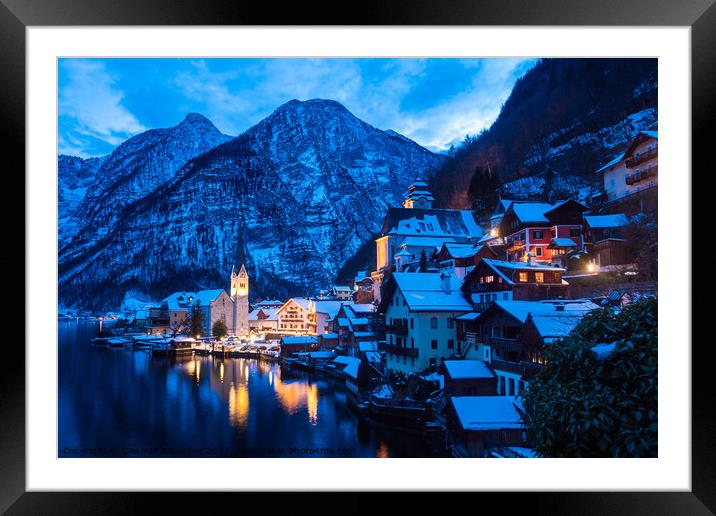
(418, 195)
(240, 297)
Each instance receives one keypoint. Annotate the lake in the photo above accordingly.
(119, 402)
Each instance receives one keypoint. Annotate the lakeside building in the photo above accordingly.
(633, 174)
(480, 425)
(297, 316)
(215, 305)
(469, 378)
(264, 319)
(418, 228)
(420, 311)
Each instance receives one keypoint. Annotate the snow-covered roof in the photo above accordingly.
(606, 221)
(431, 222)
(363, 334)
(613, 162)
(470, 316)
(557, 325)
(207, 296)
(351, 365)
(521, 309)
(180, 300)
(462, 369)
(531, 211)
(367, 346)
(342, 288)
(563, 242)
(330, 335)
(486, 412)
(417, 241)
(423, 292)
(359, 321)
(300, 301)
(300, 339)
(361, 307)
(651, 134)
(373, 356)
(269, 313)
(270, 302)
(328, 306)
(461, 250)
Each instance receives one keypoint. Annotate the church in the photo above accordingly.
(216, 304)
(418, 229)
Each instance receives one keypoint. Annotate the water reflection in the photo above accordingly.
(122, 398)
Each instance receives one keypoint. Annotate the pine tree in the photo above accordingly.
(423, 261)
(219, 329)
(196, 321)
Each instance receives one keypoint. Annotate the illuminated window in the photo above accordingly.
(539, 277)
(523, 277)
(489, 279)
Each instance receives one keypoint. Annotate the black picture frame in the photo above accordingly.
(16, 15)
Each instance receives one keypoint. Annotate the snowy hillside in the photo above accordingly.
(74, 176)
(294, 197)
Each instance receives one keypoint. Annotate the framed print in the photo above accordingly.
(358, 257)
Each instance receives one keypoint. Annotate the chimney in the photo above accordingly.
(445, 282)
(531, 259)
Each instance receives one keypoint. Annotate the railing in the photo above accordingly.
(397, 329)
(393, 402)
(522, 368)
(642, 174)
(641, 157)
(398, 350)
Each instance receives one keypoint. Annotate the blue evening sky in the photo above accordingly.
(436, 102)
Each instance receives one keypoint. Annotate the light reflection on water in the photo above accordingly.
(123, 398)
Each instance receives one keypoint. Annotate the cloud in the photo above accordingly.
(90, 106)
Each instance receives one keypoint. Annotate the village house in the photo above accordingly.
(604, 238)
(342, 292)
(530, 228)
(297, 316)
(479, 425)
(469, 378)
(460, 259)
(418, 227)
(264, 320)
(634, 173)
(493, 280)
(363, 288)
(291, 345)
(498, 328)
(420, 311)
(355, 323)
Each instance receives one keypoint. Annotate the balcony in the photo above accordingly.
(397, 329)
(398, 350)
(641, 157)
(641, 174)
(526, 369)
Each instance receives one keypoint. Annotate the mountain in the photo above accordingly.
(74, 176)
(294, 197)
(562, 121)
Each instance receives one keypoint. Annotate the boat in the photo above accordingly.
(116, 342)
(100, 341)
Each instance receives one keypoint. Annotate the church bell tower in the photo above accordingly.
(240, 297)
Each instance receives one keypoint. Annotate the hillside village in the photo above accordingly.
(451, 325)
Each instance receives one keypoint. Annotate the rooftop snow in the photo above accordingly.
(521, 309)
(462, 250)
(563, 242)
(606, 221)
(415, 241)
(431, 222)
(423, 292)
(307, 339)
(611, 163)
(470, 316)
(486, 412)
(461, 369)
(351, 365)
(531, 211)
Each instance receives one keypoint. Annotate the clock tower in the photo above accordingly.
(240, 297)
